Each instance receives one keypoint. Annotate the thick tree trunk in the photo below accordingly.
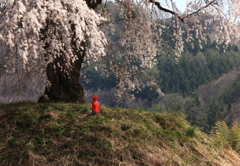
(64, 81)
(64, 87)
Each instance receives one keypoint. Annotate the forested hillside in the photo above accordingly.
(195, 67)
(220, 99)
(186, 82)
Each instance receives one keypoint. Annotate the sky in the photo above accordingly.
(181, 4)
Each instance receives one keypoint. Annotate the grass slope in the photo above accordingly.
(61, 134)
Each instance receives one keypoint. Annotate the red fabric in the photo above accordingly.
(96, 106)
(94, 97)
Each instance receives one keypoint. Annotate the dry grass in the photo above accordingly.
(61, 134)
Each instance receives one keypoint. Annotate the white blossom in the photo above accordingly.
(20, 30)
(26, 52)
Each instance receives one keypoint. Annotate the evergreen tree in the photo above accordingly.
(220, 134)
(235, 136)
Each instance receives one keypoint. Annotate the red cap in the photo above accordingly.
(94, 97)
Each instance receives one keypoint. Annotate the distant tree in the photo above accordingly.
(215, 112)
(221, 134)
(235, 136)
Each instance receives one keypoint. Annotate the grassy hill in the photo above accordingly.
(61, 134)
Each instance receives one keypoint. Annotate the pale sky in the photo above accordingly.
(181, 4)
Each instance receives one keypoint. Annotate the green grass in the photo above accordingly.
(61, 134)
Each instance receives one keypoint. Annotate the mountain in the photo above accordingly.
(62, 134)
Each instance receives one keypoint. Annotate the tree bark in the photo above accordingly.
(64, 82)
(93, 3)
(66, 88)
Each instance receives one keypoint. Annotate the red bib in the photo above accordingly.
(96, 106)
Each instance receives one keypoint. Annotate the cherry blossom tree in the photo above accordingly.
(43, 46)
(45, 43)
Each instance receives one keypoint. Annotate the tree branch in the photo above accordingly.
(120, 19)
(201, 8)
(181, 18)
(166, 10)
(2, 9)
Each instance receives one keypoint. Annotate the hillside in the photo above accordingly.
(61, 134)
(220, 99)
(208, 91)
